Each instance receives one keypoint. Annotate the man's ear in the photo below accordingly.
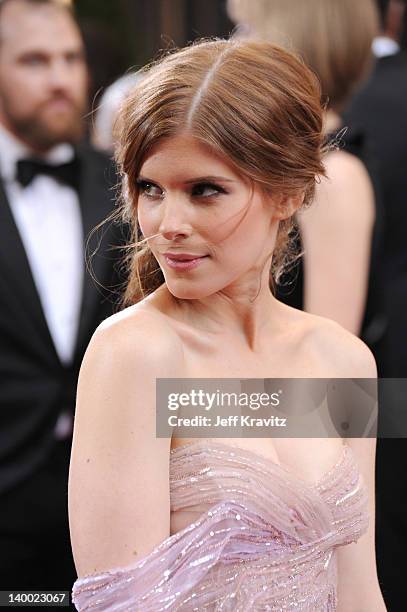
(287, 205)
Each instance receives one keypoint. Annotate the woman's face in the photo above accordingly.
(207, 226)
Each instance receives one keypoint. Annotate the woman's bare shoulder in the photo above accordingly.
(343, 352)
(345, 193)
(342, 166)
(116, 392)
(133, 337)
(137, 319)
(332, 349)
(347, 181)
(118, 482)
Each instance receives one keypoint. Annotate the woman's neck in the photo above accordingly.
(226, 312)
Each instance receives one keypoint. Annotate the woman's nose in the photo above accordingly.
(174, 221)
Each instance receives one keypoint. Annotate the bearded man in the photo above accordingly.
(53, 191)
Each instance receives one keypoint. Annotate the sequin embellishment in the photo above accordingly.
(262, 539)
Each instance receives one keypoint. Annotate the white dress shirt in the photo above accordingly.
(383, 46)
(48, 218)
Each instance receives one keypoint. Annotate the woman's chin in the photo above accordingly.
(186, 291)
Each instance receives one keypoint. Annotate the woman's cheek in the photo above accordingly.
(146, 223)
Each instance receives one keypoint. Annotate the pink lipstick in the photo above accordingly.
(183, 261)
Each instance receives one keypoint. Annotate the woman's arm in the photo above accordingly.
(358, 586)
(336, 233)
(119, 504)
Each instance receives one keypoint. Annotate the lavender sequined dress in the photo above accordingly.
(248, 535)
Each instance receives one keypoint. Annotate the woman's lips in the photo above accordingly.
(186, 262)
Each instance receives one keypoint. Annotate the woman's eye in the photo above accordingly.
(206, 190)
(149, 189)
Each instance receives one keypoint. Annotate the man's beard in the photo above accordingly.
(42, 133)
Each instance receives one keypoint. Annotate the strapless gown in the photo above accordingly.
(247, 535)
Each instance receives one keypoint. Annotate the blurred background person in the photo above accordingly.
(392, 23)
(340, 233)
(53, 191)
(379, 109)
(107, 109)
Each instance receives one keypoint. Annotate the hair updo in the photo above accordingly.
(251, 102)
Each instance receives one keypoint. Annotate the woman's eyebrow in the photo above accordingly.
(202, 179)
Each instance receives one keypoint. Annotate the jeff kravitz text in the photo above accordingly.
(230, 421)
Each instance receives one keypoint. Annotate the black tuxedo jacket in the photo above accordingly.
(34, 385)
(379, 110)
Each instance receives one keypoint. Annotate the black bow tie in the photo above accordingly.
(67, 173)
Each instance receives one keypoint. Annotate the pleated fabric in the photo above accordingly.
(247, 534)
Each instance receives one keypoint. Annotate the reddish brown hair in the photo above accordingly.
(252, 102)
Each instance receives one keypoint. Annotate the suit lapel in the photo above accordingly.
(96, 204)
(14, 262)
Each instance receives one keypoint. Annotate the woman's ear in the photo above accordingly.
(287, 205)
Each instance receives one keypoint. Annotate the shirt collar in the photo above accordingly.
(12, 149)
(384, 46)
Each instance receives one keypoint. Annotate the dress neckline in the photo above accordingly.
(206, 445)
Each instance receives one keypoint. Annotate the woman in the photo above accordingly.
(340, 233)
(218, 145)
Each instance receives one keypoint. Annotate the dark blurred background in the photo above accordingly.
(123, 34)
